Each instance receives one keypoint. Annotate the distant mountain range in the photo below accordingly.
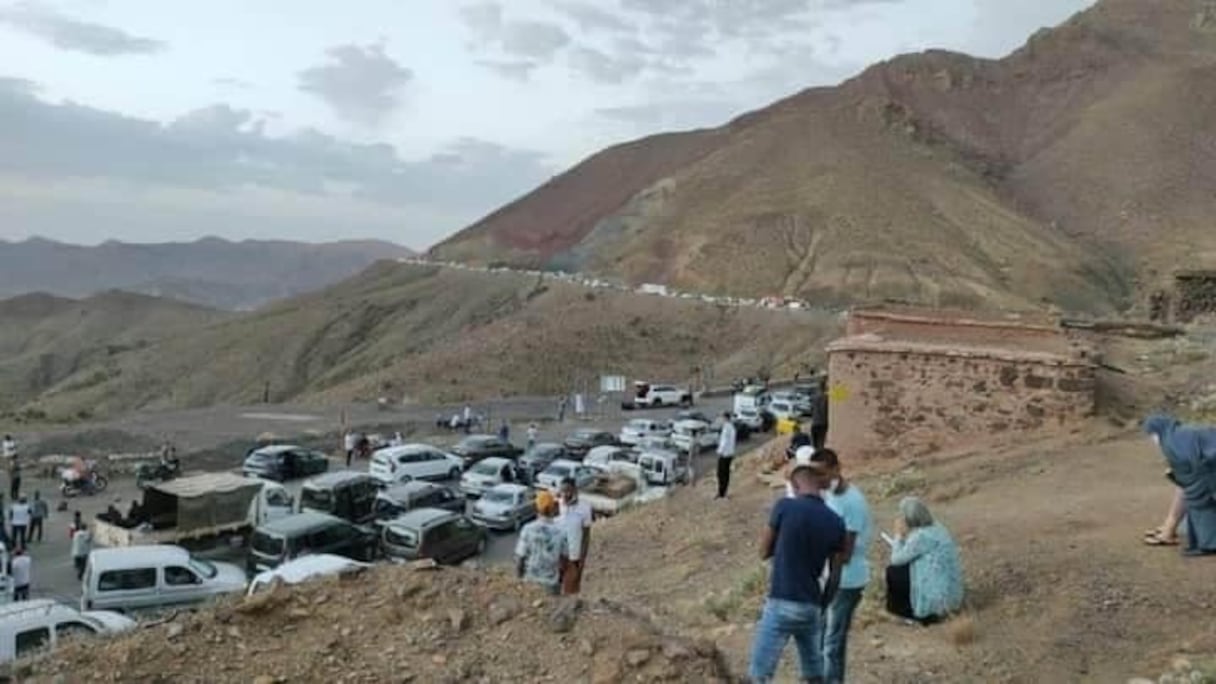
(211, 271)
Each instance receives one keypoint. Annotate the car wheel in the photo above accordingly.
(657, 402)
(454, 474)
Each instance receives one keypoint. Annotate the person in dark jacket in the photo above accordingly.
(819, 416)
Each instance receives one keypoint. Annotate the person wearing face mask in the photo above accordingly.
(1190, 452)
(846, 501)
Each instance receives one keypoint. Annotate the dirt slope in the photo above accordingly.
(427, 334)
(1068, 171)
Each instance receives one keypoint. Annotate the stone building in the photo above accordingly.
(1190, 295)
(908, 382)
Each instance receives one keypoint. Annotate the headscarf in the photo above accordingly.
(1191, 454)
(915, 512)
(545, 503)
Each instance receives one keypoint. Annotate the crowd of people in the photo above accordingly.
(552, 549)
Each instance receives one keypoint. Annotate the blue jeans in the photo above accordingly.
(779, 621)
(836, 622)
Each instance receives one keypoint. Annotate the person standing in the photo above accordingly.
(14, 478)
(19, 517)
(532, 433)
(8, 448)
(726, 454)
(803, 535)
(561, 409)
(21, 571)
(82, 544)
(543, 546)
(38, 514)
(576, 520)
(349, 442)
(504, 431)
(819, 416)
(848, 502)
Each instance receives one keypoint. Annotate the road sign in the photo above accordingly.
(612, 383)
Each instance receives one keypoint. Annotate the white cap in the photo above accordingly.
(803, 455)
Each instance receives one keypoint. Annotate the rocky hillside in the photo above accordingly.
(1067, 172)
(433, 334)
(212, 272)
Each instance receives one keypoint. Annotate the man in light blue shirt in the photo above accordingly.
(849, 503)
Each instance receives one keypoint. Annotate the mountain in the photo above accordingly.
(1074, 171)
(210, 271)
(432, 334)
(45, 339)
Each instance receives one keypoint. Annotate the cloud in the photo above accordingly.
(232, 82)
(218, 156)
(591, 18)
(514, 70)
(361, 84)
(603, 68)
(537, 39)
(66, 33)
(522, 46)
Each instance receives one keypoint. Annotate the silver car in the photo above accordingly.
(505, 507)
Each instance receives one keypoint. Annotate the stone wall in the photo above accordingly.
(1194, 296)
(961, 328)
(897, 399)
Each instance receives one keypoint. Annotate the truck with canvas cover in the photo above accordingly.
(197, 509)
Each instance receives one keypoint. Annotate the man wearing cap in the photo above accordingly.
(542, 548)
(802, 457)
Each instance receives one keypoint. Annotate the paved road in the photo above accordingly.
(54, 575)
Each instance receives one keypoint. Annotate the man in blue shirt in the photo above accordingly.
(847, 501)
(802, 535)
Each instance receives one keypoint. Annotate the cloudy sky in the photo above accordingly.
(149, 120)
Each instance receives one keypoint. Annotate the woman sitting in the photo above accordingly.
(1191, 455)
(925, 578)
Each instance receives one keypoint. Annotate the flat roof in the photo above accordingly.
(336, 478)
(874, 344)
(207, 483)
(298, 522)
(123, 556)
(1030, 320)
(419, 517)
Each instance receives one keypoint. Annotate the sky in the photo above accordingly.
(403, 120)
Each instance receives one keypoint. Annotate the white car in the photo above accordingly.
(602, 457)
(664, 395)
(783, 410)
(751, 418)
(303, 569)
(639, 429)
(156, 576)
(551, 478)
(31, 627)
(800, 402)
(696, 435)
(504, 507)
(397, 464)
(486, 474)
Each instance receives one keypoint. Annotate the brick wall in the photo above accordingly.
(892, 403)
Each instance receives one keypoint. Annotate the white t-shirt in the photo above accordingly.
(19, 514)
(82, 542)
(575, 518)
(21, 571)
(9, 448)
(350, 441)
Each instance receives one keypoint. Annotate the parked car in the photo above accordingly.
(486, 474)
(654, 396)
(693, 415)
(476, 448)
(602, 458)
(32, 627)
(557, 471)
(346, 494)
(303, 569)
(693, 435)
(782, 410)
(282, 462)
(443, 536)
(752, 418)
(664, 468)
(407, 496)
(639, 429)
(585, 439)
(307, 533)
(132, 578)
(800, 403)
(537, 459)
(505, 507)
(414, 462)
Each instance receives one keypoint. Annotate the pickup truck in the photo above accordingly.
(620, 488)
(198, 508)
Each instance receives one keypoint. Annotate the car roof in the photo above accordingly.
(405, 449)
(404, 489)
(480, 438)
(690, 423)
(509, 487)
(127, 556)
(421, 517)
(35, 607)
(340, 477)
(299, 522)
(276, 449)
(299, 569)
(493, 460)
(565, 463)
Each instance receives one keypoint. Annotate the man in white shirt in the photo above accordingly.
(576, 519)
(21, 566)
(82, 544)
(8, 448)
(349, 441)
(19, 517)
(726, 453)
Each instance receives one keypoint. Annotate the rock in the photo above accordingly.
(607, 672)
(346, 631)
(458, 619)
(299, 613)
(1181, 664)
(424, 564)
(439, 659)
(564, 615)
(265, 679)
(503, 610)
(637, 657)
(586, 647)
(674, 650)
(1140, 680)
(407, 590)
(175, 630)
(234, 632)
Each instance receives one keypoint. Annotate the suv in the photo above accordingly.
(442, 536)
(407, 496)
(664, 395)
(585, 439)
(284, 462)
(307, 533)
(414, 462)
(505, 507)
(476, 448)
(30, 627)
(346, 494)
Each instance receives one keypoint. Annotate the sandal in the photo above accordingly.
(1158, 539)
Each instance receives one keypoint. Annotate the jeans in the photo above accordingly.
(35, 529)
(780, 621)
(723, 475)
(19, 539)
(836, 624)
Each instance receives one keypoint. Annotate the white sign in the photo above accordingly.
(612, 383)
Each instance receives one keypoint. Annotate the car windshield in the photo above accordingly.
(585, 434)
(642, 425)
(260, 457)
(559, 470)
(205, 569)
(267, 544)
(317, 499)
(399, 537)
(383, 508)
(498, 496)
(484, 468)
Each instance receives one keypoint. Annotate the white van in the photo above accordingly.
(147, 577)
(31, 627)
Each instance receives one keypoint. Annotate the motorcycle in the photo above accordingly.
(93, 483)
(147, 473)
